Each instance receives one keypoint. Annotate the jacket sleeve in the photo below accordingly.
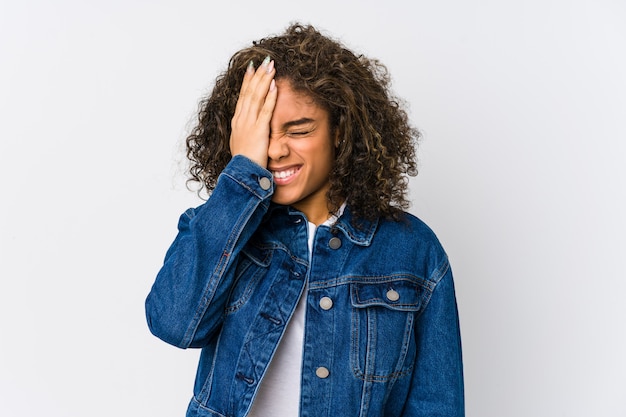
(437, 384)
(186, 303)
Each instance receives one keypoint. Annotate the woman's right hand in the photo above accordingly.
(251, 122)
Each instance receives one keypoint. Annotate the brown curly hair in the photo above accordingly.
(376, 142)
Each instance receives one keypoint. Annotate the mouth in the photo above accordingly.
(285, 175)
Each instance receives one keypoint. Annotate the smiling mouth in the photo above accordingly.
(283, 176)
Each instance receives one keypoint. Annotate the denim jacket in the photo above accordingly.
(381, 333)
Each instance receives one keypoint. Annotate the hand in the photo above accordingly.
(251, 122)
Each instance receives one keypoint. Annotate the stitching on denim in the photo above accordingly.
(266, 255)
(440, 272)
(428, 295)
(355, 341)
(382, 302)
(269, 246)
(215, 278)
(366, 374)
(208, 382)
(247, 187)
(207, 409)
(234, 305)
(373, 279)
(366, 235)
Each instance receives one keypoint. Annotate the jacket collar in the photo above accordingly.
(358, 231)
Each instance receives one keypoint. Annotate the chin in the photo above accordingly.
(283, 200)
(287, 198)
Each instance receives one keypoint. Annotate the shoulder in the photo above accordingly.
(409, 239)
(408, 228)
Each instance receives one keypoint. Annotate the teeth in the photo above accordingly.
(284, 174)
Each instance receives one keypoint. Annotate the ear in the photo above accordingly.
(336, 139)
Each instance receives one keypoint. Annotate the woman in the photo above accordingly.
(308, 288)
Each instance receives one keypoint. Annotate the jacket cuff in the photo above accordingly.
(250, 175)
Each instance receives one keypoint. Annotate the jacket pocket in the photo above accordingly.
(247, 278)
(252, 264)
(383, 341)
(196, 409)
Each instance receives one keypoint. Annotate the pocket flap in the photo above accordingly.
(262, 256)
(401, 295)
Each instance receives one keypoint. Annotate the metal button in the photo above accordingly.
(334, 243)
(265, 183)
(326, 303)
(322, 372)
(392, 295)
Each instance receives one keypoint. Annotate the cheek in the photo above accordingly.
(324, 152)
(323, 162)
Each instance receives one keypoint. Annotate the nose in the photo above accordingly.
(278, 148)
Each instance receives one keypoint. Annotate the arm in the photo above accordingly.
(187, 300)
(186, 303)
(437, 385)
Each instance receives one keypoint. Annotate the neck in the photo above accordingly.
(315, 214)
(319, 214)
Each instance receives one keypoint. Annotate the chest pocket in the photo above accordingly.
(383, 341)
(252, 266)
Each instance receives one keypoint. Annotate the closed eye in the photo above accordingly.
(299, 133)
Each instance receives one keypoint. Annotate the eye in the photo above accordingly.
(299, 133)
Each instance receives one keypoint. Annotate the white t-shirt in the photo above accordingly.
(279, 393)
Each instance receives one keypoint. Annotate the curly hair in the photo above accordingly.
(377, 145)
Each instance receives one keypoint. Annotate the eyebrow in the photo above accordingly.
(297, 122)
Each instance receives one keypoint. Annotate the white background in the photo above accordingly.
(523, 109)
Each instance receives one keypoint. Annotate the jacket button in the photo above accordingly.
(392, 295)
(265, 183)
(334, 243)
(322, 372)
(326, 303)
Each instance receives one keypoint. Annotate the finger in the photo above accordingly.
(257, 88)
(250, 125)
(246, 121)
(244, 85)
(265, 115)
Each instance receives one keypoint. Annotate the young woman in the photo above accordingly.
(308, 288)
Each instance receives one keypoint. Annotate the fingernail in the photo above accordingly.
(270, 67)
(266, 60)
(250, 66)
(273, 85)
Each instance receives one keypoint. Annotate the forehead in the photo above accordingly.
(294, 105)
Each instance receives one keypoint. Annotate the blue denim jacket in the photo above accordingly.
(388, 343)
